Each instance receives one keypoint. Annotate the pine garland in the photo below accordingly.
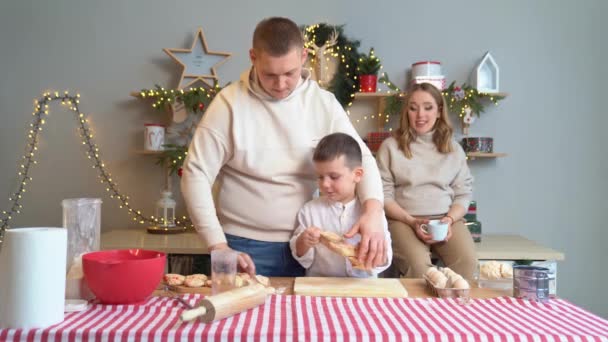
(344, 83)
(196, 100)
(460, 97)
(457, 98)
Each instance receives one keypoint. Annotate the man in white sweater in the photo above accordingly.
(256, 140)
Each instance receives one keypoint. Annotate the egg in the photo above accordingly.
(438, 279)
(431, 270)
(452, 279)
(448, 271)
(441, 283)
(460, 284)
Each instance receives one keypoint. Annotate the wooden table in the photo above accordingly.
(491, 247)
(416, 288)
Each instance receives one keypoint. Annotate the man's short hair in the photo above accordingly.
(335, 145)
(277, 36)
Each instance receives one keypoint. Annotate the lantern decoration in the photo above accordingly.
(165, 213)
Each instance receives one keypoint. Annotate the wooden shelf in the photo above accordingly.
(473, 155)
(391, 93)
(500, 93)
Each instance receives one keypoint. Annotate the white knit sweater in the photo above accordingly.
(260, 151)
(430, 182)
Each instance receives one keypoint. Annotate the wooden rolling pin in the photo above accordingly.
(227, 303)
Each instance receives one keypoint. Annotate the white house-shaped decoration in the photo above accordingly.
(485, 75)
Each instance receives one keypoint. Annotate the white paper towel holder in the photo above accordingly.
(27, 256)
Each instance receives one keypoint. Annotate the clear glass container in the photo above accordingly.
(82, 219)
(223, 270)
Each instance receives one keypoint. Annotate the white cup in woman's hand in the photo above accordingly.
(436, 229)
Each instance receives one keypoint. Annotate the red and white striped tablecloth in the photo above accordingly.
(300, 318)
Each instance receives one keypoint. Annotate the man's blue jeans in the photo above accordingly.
(272, 259)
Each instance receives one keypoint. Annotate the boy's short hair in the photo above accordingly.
(277, 36)
(335, 145)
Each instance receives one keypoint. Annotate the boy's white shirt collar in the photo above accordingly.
(349, 205)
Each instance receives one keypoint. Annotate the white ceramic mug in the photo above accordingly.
(154, 136)
(437, 229)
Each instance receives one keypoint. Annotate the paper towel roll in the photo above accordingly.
(32, 277)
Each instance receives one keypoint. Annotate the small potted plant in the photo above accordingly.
(368, 68)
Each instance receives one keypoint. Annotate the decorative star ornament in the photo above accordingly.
(198, 62)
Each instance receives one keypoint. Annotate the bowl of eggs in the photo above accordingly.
(495, 274)
(445, 283)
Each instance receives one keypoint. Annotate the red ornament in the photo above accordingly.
(201, 106)
(180, 171)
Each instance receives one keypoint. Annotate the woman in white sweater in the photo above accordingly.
(425, 176)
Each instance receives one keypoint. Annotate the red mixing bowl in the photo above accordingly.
(123, 276)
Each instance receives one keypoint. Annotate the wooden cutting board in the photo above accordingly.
(185, 289)
(349, 287)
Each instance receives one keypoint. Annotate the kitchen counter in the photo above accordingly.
(492, 246)
(180, 243)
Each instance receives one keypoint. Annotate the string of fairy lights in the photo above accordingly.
(337, 51)
(459, 99)
(41, 111)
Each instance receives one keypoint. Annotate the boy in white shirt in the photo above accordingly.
(337, 161)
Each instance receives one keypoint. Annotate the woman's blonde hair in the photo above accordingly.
(442, 137)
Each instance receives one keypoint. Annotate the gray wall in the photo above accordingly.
(551, 55)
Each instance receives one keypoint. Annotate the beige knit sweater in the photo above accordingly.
(260, 151)
(430, 182)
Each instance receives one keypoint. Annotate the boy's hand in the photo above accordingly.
(311, 236)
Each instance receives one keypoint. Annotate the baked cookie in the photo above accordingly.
(173, 279)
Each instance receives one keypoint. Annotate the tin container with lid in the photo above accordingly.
(426, 69)
(531, 282)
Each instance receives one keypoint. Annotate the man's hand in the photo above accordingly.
(373, 246)
(244, 261)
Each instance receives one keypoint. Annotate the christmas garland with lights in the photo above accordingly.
(344, 83)
(196, 100)
(458, 98)
(41, 110)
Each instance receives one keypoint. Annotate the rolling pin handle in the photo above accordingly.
(189, 315)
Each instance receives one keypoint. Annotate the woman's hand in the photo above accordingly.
(416, 225)
(449, 220)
